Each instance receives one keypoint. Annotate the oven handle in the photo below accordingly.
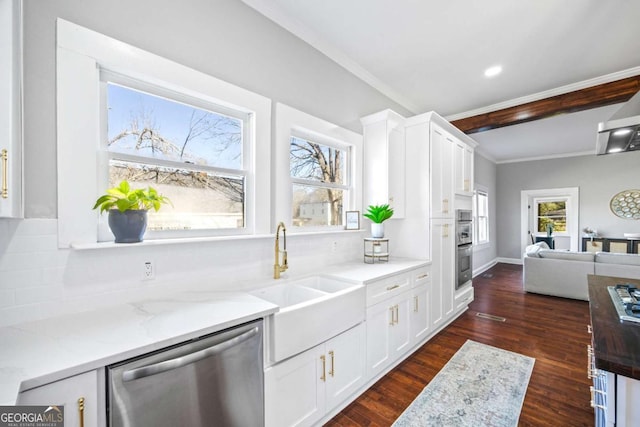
(178, 362)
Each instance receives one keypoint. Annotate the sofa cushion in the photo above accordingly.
(532, 250)
(566, 255)
(615, 258)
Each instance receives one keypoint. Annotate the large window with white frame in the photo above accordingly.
(320, 182)
(200, 141)
(550, 214)
(481, 216)
(190, 150)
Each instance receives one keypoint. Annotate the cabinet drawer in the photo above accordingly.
(464, 298)
(386, 288)
(420, 276)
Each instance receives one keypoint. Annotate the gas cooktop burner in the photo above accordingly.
(626, 300)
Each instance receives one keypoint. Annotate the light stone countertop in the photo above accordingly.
(39, 352)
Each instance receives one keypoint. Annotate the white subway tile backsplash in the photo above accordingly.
(38, 280)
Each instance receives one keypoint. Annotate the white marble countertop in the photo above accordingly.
(39, 352)
(365, 273)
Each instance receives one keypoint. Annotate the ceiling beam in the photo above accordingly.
(584, 99)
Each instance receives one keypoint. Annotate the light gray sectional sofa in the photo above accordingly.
(564, 273)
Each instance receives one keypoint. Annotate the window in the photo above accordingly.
(201, 141)
(319, 183)
(551, 213)
(189, 150)
(481, 216)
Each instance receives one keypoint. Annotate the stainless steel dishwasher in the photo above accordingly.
(216, 380)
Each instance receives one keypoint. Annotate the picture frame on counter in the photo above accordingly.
(352, 220)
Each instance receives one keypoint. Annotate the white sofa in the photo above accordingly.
(564, 273)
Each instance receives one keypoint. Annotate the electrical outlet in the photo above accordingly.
(149, 272)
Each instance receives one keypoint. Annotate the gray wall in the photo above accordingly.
(598, 177)
(485, 175)
(223, 38)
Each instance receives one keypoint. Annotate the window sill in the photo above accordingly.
(192, 240)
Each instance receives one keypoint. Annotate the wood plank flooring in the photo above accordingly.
(552, 330)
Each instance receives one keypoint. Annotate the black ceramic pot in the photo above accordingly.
(128, 226)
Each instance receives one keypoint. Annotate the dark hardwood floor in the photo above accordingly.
(552, 330)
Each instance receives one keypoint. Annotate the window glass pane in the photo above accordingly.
(483, 204)
(554, 213)
(200, 200)
(316, 162)
(313, 206)
(483, 227)
(146, 125)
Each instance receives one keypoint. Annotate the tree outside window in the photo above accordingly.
(552, 212)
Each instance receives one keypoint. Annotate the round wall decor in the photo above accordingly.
(626, 204)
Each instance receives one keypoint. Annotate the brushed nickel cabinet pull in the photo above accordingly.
(391, 310)
(397, 317)
(415, 301)
(390, 288)
(324, 368)
(445, 234)
(81, 411)
(422, 276)
(332, 369)
(5, 174)
(445, 205)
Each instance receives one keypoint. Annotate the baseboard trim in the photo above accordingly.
(510, 260)
(478, 271)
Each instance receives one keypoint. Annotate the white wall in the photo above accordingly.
(485, 175)
(223, 38)
(598, 179)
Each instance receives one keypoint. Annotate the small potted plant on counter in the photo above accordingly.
(378, 214)
(128, 210)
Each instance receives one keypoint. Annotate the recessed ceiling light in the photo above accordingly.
(621, 132)
(493, 71)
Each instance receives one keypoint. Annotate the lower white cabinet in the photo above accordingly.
(79, 394)
(420, 322)
(463, 297)
(443, 270)
(388, 332)
(301, 390)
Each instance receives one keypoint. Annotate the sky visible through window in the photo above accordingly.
(151, 126)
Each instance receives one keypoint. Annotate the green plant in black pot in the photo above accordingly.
(128, 208)
(378, 214)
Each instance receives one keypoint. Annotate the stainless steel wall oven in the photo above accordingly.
(464, 242)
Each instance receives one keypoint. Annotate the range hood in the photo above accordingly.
(622, 131)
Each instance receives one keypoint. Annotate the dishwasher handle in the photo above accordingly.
(178, 362)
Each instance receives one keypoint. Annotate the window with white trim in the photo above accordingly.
(190, 150)
(481, 216)
(550, 213)
(320, 182)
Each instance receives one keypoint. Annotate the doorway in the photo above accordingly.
(555, 207)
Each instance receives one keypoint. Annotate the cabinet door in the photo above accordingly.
(463, 165)
(294, 390)
(442, 198)
(10, 108)
(420, 322)
(378, 322)
(345, 366)
(401, 329)
(68, 392)
(397, 165)
(442, 269)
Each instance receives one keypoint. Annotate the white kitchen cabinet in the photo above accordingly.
(420, 304)
(442, 170)
(463, 168)
(463, 297)
(443, 270)
(388, 332)
(81, 396)
(301, 390)
(10, 109)
(384, 161)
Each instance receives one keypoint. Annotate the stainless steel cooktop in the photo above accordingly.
(626, 300)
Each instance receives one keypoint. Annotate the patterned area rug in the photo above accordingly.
(480, 386)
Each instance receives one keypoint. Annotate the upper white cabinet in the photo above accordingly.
(463, 168)
(81, 396)
(10, 109)
(442, 194)
(384, 161)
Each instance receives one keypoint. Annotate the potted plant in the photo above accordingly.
(128, 210)
(378, 214)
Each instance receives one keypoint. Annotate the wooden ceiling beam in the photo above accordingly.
(584, 99)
